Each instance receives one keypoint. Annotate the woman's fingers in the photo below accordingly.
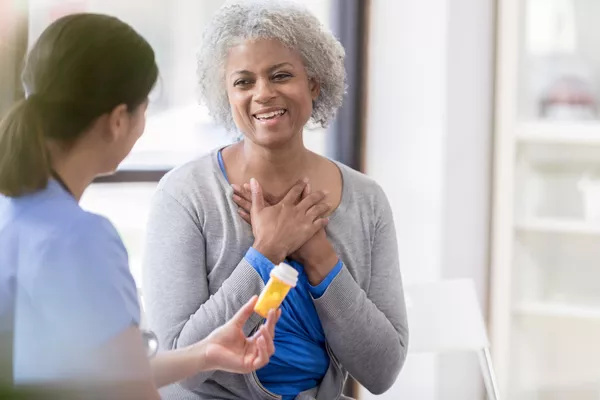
(243, 203)
(262, 356)
(294, 194)
(320, 223)
(245, 216)
(318, 211)
(240, 317)
(311, 200)
(268, 341)
(272, 319)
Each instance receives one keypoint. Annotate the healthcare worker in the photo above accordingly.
(87, 81)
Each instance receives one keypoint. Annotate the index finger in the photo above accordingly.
(245, 312)
(272, 319)
(242, 192)
(293, 196)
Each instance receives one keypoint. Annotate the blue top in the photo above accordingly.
(72, 286)
(300, 360)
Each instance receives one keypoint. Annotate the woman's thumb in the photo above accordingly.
(258, 201)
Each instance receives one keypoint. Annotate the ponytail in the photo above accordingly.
(24, 160)
(81, 67)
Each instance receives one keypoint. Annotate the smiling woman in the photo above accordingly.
(219, 225)
(269, 91)
(319, 53)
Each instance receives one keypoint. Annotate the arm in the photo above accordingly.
(374, 323)
(180, 308)
(85, 296)
(226, 349)
(176, 365)
(368, 332)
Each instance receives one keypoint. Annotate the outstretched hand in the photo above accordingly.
(228, 349)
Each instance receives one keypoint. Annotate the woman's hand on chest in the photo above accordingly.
(317, 254)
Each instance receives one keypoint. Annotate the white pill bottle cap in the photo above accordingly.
(285, 274)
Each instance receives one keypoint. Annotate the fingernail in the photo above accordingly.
(305, 179)
(253, 184)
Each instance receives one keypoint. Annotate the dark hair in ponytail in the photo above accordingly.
(81, 67)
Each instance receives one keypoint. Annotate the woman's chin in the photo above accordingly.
(273, 139)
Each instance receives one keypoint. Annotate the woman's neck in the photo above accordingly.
(73, 168)
(276, 169)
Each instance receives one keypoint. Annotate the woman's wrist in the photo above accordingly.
(198, 358)
(318, 268)
(271, 252)
(173, 366)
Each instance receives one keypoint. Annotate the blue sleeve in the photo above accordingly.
(319, 290)
(86, 284)
(260, 263)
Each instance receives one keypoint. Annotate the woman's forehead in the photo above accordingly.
(261, 55)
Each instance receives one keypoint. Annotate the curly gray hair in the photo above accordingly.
(290, 23)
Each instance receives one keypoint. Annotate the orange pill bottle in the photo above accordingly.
(282, 279)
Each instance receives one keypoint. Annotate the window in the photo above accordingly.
(177, 128)
(127, 205)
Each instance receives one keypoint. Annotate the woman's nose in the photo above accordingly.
(264, 91)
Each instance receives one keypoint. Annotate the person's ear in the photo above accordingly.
(118, 123)
(315, 88)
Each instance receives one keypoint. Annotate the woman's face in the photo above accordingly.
(269, 91)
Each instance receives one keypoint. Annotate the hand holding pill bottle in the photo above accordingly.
(283, 278)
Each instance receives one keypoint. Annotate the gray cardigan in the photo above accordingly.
(195, 278)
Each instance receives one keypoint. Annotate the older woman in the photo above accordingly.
(265, 70)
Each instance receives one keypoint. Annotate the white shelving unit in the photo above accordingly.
(556, 310)
(545, 272)
(561, 226)
(559, 133)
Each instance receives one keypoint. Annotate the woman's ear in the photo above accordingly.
(118, 123)
(315, 88)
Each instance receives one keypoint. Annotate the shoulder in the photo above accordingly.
(198, 171)
(362, 187)
(357, 179)
(193, 182)
(88, 239)
(83, 273)
(88, 256)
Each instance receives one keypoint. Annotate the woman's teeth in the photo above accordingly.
(269, 115)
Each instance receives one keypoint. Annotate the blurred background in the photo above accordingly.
(480, 120)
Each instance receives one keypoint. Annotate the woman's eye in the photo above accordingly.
(281, 76)
(241, 82)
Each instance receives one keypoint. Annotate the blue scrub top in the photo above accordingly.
(67, 271)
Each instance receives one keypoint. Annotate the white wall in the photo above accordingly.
(428, 144)
(467, 195)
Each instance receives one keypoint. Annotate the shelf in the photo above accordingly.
(569, 133)
(547, 309)
(558, 226)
